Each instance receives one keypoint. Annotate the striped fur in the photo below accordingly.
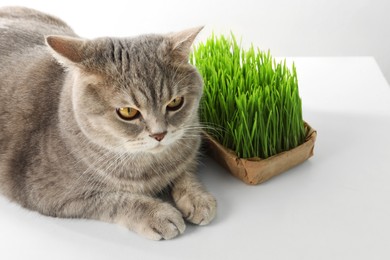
(64, 151)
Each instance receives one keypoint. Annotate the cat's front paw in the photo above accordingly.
(198, 207)
(163, 222)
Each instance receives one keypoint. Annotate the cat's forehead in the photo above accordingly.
(145, 48)
(146, 43)
(135, 58)
(141, 69)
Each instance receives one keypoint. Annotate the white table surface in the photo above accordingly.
(334, 206)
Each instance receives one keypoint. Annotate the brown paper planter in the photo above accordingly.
(257, 170)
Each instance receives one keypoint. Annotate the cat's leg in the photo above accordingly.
(197, 205)
(147, 216)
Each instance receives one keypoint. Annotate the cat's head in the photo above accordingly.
(135, 94)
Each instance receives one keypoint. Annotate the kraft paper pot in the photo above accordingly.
(257, 170)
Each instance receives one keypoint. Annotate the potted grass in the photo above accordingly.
(251, 110)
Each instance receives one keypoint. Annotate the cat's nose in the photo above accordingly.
(159, 136)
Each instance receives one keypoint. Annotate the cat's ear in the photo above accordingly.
(67, 49)
(181, 42)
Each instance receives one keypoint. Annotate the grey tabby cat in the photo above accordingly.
(101, 129)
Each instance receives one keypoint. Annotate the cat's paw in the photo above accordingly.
(163, 222)
(199, 208)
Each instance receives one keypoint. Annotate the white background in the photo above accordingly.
(286, 27)
(334, 206)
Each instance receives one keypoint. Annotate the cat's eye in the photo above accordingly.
(128, 113)
(175, 104)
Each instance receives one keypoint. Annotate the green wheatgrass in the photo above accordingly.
(251, 103)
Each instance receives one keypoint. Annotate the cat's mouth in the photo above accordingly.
(158, 148)
(162, 146)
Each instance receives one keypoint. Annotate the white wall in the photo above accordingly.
(286, 27)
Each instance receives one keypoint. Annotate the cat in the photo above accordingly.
(98, 129)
